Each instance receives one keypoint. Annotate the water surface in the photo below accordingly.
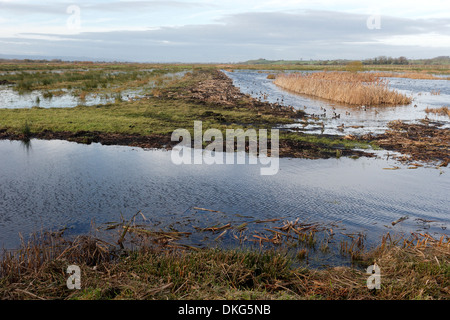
(52, 184)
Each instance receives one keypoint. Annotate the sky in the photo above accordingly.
(224, 31)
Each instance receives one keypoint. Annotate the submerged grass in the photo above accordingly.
(343, 87)
(144, 117)
(443, 111)
(88, 79)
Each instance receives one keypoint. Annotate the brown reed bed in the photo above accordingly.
(410, 75)
(443, 111)
(414, 267)
(344, 87)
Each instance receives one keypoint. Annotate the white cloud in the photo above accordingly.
(233, 30)
(427, 40)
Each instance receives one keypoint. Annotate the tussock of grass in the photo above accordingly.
(343, 87)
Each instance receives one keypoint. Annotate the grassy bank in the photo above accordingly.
(414, 268)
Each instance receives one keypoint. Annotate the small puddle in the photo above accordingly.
(11, 99)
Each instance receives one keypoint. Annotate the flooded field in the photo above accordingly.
(11, 98)
(57, 184)
(342, 120)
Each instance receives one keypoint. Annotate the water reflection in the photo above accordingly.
(26, 144)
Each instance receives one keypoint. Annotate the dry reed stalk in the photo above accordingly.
(344, 87)
(445, 111)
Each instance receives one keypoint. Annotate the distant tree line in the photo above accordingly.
(387, 60)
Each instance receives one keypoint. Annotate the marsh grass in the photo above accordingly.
(410, 75)
(330, 141)
(416, 267)
(343, 87)
(94, 78)
(443, 111)
(26, 131)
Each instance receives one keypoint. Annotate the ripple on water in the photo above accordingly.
(57, 183)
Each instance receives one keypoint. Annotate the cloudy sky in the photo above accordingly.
(226, 30)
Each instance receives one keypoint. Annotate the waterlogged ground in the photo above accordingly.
(65, 98)
(356, 120)
(56, 184)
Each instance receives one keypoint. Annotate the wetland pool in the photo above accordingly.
(56, 184)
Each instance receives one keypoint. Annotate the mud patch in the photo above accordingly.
(215, 88)
(88, 137)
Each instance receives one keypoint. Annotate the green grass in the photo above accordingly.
(144, 117)
(152, 115)
(329, 141)
(93, 79)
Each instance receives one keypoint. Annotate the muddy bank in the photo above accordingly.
(307, 150)
(288, 148)
(426, 142)
(215, 88)
(87, 137)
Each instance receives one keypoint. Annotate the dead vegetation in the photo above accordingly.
(417, 142)
(443, 111)
(410, 75)
(215, 88)
(344, 87)
(416, 267)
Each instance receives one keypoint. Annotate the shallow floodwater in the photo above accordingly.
(11, 99)
(356, 120)
(55, 184)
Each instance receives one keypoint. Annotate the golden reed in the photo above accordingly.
(344, 87)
